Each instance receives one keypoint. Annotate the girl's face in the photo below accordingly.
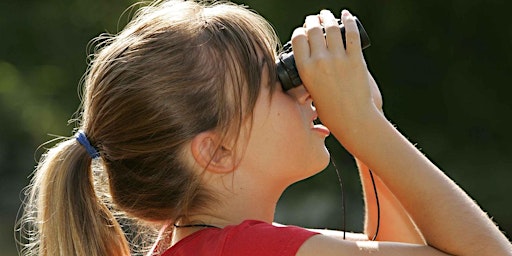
(283, 143)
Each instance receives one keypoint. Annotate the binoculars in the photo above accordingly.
(286, 68)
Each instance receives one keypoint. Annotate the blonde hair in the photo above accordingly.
(177, 69)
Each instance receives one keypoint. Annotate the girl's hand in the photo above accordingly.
(336, 78)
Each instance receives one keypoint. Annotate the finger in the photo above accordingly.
(352, 39)
(332, 32)
(315, 34)
(300, 45)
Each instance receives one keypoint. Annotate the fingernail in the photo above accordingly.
(345, 13)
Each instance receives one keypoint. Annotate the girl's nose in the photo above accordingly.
(301, 94)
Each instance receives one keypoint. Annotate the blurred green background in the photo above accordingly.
(443, 68)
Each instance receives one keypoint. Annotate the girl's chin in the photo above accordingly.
(319, 166)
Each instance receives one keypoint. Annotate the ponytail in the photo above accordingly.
(63, 214)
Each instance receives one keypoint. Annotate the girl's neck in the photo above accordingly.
(249, 202)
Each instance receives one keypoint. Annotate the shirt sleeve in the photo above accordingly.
(255, 238)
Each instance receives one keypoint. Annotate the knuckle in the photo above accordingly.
(352, 38)
(350, 19)
(330, 22)
(332, 28)
(316, 30)
(353, 34)
(322, 60)
(299, 34)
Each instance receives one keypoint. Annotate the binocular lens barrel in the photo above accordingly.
(286, 68)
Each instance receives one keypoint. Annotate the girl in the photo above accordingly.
(185, 119)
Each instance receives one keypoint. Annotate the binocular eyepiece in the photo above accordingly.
(286, 68)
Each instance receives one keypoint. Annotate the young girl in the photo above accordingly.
(184, 116)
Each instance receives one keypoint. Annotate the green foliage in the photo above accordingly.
(443, 68)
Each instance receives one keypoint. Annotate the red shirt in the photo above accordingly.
(250, 238)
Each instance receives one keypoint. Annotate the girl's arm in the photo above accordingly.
(395, 223)
(337, 79)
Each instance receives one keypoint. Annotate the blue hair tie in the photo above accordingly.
(82, 139)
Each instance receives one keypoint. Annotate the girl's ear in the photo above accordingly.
(209, 152)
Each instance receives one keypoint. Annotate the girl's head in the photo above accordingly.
(178, 69)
